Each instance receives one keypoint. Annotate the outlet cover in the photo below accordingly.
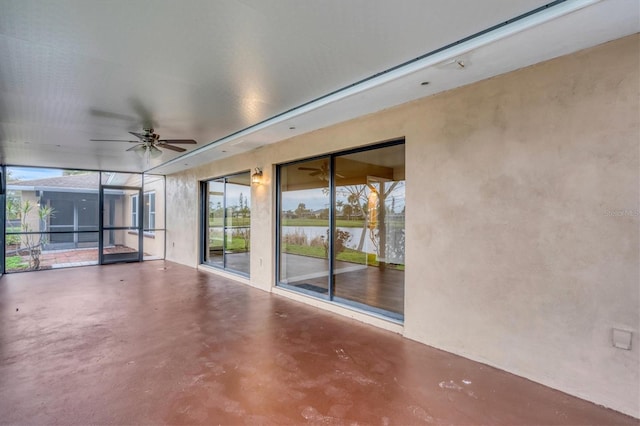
(622, 339)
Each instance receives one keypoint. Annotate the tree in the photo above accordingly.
(301, 210)
(354, 197)
(10, 176)
(347, 210)
(13, 206)
(34, 240)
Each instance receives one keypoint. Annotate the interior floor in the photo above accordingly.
(381, 288)
(157, 342)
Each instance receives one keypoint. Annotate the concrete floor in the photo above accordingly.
(162, 343)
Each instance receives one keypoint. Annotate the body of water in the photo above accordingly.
(354, 240)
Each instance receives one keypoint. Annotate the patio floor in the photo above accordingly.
(162, 343)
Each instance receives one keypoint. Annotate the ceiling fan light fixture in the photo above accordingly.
(154, 152)
(140, 150)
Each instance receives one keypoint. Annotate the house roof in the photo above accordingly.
(87, 180)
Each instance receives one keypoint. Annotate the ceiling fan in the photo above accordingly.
(150, 143)
(322, 172)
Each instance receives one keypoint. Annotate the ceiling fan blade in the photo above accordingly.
(135, 147)
(315, 173)
(171, 147)
(108, 114)
(144, 113)
(309, 168)
(138, 135)
(112, 140)
(339, 175)
(178, 141)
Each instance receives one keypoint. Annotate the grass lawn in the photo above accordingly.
(236, 221)
(341, 223)
(237, 244)
(15, 263)
(347, 255)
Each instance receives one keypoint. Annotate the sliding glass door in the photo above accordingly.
(341, 228)
(227, 223)
(368, 258)
(304, 226)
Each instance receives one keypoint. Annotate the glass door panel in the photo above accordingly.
(368, 263)
(215, 219)
(304, 226)
(238, 222)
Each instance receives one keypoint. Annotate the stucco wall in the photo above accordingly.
(152, 242)
(517, 253)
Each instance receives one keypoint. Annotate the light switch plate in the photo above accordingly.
(622, 339)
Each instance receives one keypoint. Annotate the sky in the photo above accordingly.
(31, 173)
(313, 199)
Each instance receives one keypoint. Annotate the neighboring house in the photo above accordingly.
(75, 203)
(75, 200)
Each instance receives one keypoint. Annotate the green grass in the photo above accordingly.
(12, 239)
(236, 221)
(237, 244)
(341, 223)
(15, 262)
(310, 251)
(347, 255)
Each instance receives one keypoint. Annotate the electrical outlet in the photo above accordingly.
(621, 339)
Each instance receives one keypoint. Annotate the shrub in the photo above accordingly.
(298, 238)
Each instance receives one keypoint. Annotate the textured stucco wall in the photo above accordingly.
(517, 255)
(517, 263)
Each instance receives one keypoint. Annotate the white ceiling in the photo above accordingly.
(237, 74)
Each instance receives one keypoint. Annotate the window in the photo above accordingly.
(341, 228)
(134, 210)
(226, 222)
(149, 212)
(149, 220)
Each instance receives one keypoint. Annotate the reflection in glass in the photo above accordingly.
(304, 225)
(369, 233)
(214, 255)
(238, 222)
(366, 237)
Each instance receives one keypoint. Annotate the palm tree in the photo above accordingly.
(34, 241)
